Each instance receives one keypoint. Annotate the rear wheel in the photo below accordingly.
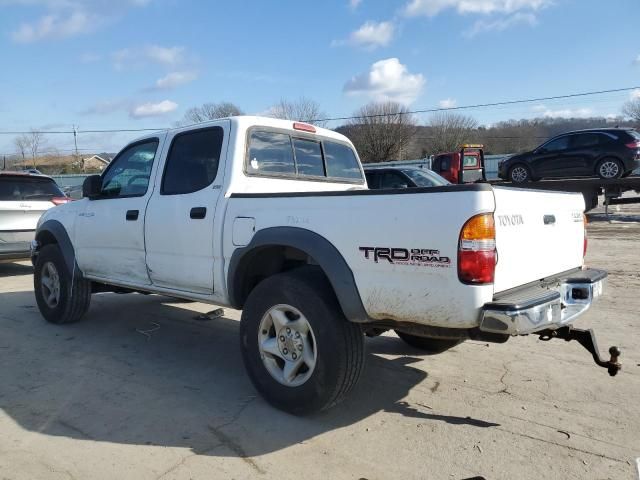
(62, 297)
(300, 351)
(519, 173)
(431, 346)
(609, 168)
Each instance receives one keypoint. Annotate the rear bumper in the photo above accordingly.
(548, 305)
(15, 244)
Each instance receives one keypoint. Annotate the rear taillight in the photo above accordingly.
(633, 145)
(584, 248)
(477, 250)
(60, 200)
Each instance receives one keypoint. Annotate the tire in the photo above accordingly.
(519, 173)
(609, 169)
(431, 346)
(73, 292)
(332, 354)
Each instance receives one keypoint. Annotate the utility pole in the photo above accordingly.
(4, 162)
(75, 141)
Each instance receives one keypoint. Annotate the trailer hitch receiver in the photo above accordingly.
(587, 339)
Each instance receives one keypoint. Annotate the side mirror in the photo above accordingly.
(92, 186)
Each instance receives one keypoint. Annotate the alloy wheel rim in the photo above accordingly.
(50, 285)
(519, 174)
(287, 345)
(609, 169)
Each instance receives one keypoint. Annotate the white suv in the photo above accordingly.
(24, 197)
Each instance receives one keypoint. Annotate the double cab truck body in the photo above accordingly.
(274, 217)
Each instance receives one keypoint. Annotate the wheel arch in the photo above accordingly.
(277, 249)
(607, 156)
(53, 232)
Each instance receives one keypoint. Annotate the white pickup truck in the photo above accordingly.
(274, 217)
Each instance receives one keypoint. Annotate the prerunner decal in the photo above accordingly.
(404, 256)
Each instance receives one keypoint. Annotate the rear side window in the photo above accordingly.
(341, 161)
(276, 153)
(444, 163)
(18, 188)
(309, 157)
(584, 140)
(192, 163)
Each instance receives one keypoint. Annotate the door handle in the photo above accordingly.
(132, 215)
(198, 213)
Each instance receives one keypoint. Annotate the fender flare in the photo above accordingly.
(57, 230)
(325, 254)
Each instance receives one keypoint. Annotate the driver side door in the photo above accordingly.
(109, 236)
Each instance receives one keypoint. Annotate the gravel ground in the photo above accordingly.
(146, 390)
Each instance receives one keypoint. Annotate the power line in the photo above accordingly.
(482, 105)
(353, 117)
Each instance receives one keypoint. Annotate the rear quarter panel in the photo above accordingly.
(422, 291)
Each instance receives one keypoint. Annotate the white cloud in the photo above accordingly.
(447, 103)
(153, 109)
(67, 18)
(387, 80)
(501, 14)
(175, 79)
(370, 36)
(546, 112)
(373, 34)
(502, 23)
(133, 57)
(353, 4)
(53, 27)
(431, 8)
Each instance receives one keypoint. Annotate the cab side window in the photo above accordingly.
(128, 175)
(192, 162)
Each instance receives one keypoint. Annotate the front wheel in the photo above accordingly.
(609, 168)
(300, 351)
(62, 296)
(519, 174)
(431, 346)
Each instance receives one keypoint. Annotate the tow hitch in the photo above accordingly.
(587, 339)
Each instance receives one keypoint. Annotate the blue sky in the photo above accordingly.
(141, 63)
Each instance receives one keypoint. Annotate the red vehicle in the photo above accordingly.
(465, 166)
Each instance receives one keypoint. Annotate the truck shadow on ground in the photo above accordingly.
(14, 270)
(179, 383)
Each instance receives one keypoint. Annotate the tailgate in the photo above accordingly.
(21, 215)
(538, 234)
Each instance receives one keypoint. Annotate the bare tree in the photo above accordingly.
(632, 109)
(29, 143)
(449, 130)
(303, 109)
(381, 131)
(210, 111)
(21, 142)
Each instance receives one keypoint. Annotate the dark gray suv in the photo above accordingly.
(607, 153)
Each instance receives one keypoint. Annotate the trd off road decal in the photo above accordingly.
(404, 256)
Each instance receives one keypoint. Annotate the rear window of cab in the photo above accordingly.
(282, 154)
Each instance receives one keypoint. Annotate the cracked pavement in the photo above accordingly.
(99, 400)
